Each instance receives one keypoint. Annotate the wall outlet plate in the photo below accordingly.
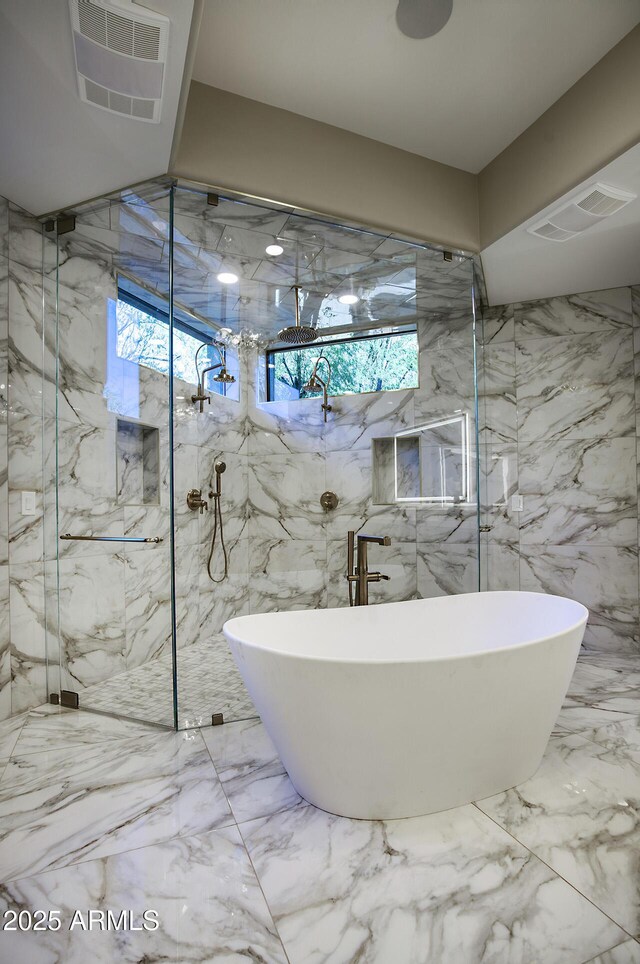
(517, 503)
(28, 503)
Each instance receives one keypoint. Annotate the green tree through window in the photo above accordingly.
(358, 365)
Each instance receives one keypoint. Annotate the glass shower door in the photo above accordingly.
(110, 613)
(210, 461)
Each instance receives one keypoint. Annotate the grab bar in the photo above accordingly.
(67, 536)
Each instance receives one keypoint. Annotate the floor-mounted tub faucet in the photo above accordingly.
(360, 575)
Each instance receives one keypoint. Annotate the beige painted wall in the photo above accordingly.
(232, 142)
(593, 123)
(240, 144)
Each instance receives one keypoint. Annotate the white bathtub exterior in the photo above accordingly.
(409, 708)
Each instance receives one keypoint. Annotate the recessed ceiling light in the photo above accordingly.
(227, 278)
(348, 299)
(274, 250)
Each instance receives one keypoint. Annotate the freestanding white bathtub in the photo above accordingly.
(408, 708)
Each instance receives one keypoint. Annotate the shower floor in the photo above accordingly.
(208, 683)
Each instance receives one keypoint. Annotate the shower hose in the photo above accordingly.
(218, 525)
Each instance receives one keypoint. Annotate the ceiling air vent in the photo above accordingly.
(586, 209)
(121, 52)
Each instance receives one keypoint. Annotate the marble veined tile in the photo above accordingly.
(497, 393)
(576, 387)
(208, 902)
(357, 419)
(447, 569)
(624, 734)
(449, 887)
(579, 813)
(498, 324)
(277, 591)
(578, 717)
(64, 806)
(52, 727)
(579, 314)
(446, 384)
(284, 494)
(286, 555)
(603, 578)
(579, 492)
(9, 733)
(627, 953)
(250, 770)
(594, 683)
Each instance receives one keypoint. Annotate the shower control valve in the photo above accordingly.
(195, 500)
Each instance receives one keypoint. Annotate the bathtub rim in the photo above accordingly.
(403, 660)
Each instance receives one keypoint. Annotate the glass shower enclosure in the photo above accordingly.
(155, 414)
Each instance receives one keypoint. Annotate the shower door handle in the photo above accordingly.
(67, 537)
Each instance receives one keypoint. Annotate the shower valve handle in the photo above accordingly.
(195, 500)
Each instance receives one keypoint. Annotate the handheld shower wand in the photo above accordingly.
(216, 494)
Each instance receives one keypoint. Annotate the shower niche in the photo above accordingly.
(430, 463)
(137, 463)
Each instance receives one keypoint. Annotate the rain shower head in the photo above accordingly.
(224, 376)
(297, 334)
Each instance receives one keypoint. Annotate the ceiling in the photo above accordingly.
(460, 97)
(522, 267)
(57, 150)
(397, 283)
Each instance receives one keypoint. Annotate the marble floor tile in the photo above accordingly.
(622, 734)
(450, 887)
(600, 695)
(578, 718)
(579, 813)
(208, 683)
(627, 953)
(250, 770)
(208, 902)
(54, 727)
(9, 733)
(64, 806)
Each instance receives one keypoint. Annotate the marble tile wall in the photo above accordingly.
(5, 636)
(560, 410)
(24, 394)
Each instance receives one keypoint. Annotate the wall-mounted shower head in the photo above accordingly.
(224, 376)
(317, 384)
(297, 334)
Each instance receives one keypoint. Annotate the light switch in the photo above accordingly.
(28, 503)
(517, 503)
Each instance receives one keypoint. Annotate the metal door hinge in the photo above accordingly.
(62, 225)
(70, 699)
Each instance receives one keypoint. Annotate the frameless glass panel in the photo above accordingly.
(210, 463)
(112, 546)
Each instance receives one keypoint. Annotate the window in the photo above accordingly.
(370, 363)
(143, 338)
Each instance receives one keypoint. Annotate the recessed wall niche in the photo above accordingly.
(137, 463)
(429, 464)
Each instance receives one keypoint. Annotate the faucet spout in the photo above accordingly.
(359, 576)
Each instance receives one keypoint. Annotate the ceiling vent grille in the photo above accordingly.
(121, 52)
(597, 202)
